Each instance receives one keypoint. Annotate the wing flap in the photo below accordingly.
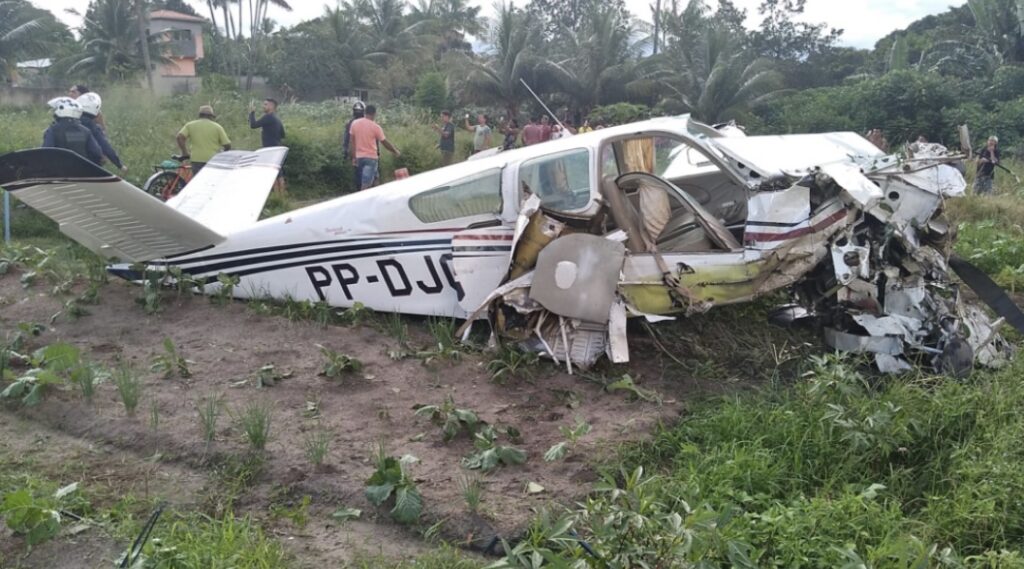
(104, 213)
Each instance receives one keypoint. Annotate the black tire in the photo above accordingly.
(156, 184)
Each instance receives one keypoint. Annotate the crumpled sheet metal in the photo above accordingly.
(859, 187)
(576, 276)
(859, 344)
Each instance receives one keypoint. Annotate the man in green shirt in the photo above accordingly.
(204, 137)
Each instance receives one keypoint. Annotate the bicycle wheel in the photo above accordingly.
(163, 185)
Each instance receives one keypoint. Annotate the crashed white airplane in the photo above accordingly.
(559, 243)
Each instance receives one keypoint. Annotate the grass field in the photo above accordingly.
(803, 461)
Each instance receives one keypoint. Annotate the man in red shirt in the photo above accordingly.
(531, 132)
(545, 128)
(365, 133)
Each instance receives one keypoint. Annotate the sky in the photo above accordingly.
(864, 21)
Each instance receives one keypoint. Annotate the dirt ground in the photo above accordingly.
(229, 344)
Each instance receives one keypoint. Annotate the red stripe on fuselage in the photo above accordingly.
(793, 234)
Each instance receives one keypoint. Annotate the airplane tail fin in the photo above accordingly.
(106, 214)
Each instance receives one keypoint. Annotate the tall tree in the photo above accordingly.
(497, 79)
(554, 16)
(140, 17)
(450, 20)
(25, 32)
(599, 62)
(717, 81)
(110, 41)
(782, 36)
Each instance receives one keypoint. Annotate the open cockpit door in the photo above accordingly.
(480, 260)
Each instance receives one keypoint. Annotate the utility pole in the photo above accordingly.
(144, 41)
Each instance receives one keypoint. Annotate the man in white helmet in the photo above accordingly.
(91, 103)
(68, 133)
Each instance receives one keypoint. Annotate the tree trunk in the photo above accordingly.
(213, 17)
(657, 24)
(227, 20)
(252, 46)
(144, 42)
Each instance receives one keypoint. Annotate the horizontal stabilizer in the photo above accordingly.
(229, 193)
(104, 213)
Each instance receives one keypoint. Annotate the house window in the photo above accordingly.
(561, 181)
(479, 194)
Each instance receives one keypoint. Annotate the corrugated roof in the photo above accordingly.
(172, 15)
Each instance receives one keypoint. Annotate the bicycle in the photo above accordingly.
(170, 177)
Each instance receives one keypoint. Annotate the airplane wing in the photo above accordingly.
(228, 194)
(106, 214)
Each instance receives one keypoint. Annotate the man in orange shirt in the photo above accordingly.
(365, 134)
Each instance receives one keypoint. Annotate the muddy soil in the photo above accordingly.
(227, 345)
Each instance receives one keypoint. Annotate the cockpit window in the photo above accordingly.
(479, 194)
(562, 181)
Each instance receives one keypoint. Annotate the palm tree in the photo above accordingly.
(600, 61)
(25, 32)
(998, 23)
(716, 81)
(343, 29)
(450, 20)
(498, 78)
(110, 37)
(387, 29)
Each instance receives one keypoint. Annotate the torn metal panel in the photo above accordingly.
(480, 260)
(850, 262)
(864, 192)
(577, 275)
(858, 344)
(618, 344)
(772, 216)
(887, 363)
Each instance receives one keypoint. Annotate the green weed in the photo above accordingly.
(572, 434)
(171, 363)
(209, 411)
(298, 514)
(446, 346)
(451, 419)
(129, 387)
(316, 445)
(35, 515)
(488, 454)
(49, 366)
(472, 489)
(355, 315)
(390, 480)
(337, 364)
(510, 363)
(254, 421)
(201, 541)
(394, 325)
(154, 416)
(225, 293)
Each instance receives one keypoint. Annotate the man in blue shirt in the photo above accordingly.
(271, 133)
(91, 103)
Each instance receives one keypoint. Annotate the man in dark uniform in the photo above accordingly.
(68, 133)
(91, 104)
